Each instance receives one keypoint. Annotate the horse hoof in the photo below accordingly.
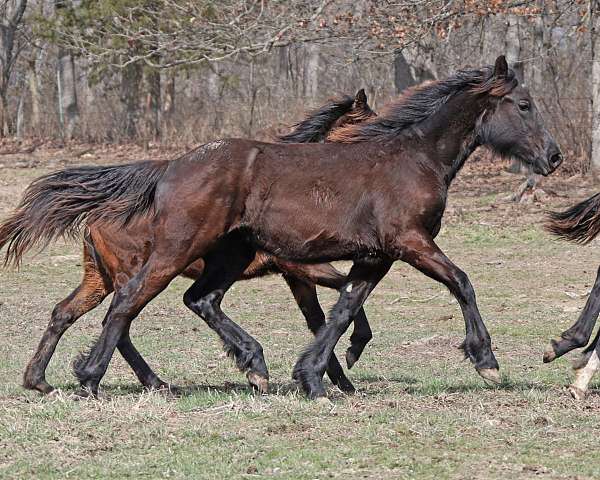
(324, 401)
(83, 394)
(549, 353)
(345, 385)
(55, 393)
(258, 382)
(41, 386)
(351, 359)
(165, 388)
(490, 374)
(577, 393)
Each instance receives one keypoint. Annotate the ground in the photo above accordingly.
(421, 411)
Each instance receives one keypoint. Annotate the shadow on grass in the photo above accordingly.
(366, 384)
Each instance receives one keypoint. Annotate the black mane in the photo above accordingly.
(419, 103)
(315, 127)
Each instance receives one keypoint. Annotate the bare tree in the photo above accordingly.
(11, 12)
(131, 78)
(594, 13)
(66, 80)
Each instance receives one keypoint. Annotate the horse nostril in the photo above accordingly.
(556, 159)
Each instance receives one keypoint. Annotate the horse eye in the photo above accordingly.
(524, 105)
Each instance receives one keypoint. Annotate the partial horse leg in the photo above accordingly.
(87, 296)
(126, 304)
(142, 370)
(223, 267)
(578, 335)
(421, 252)
(362, 279)
(584, 369)
(361, 335)
(305, 295)
(326, 275)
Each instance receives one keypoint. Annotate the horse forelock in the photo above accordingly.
(417, 104)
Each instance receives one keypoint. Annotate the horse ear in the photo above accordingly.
(500, 67)
(360, 99)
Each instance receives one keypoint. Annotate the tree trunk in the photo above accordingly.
(403, 77)
(153, 103)
(595, 34)
(67, 93)
(213, 84)
(513, 57)
(9, 24)
(540, 39)
(20, 116)
(34, 91)
(131, 77)
(311, 76)
(4, 127)
(169, 103)
(513, 45)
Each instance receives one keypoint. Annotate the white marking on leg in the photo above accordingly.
(584, 375)
(349, 288)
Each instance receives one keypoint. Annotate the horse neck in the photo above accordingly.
(454, 133)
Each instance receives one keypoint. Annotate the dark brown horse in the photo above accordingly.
(579, 224)
(376, 198)
(111, 258)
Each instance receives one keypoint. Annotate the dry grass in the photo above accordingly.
(421, 411)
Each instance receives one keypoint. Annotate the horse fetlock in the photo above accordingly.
(576, 392)
(491, 375)
(36, 381)
(343, 384)
(258, 381)
(351, 357)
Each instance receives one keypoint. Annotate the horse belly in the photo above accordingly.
(311, 236)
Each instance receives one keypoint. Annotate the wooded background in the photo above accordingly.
(183, 72)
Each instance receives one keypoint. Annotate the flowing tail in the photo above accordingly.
(580, 223)
(58, 204)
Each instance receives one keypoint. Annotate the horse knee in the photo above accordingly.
(203, 306)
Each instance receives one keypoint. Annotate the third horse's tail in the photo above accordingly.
(580, 223)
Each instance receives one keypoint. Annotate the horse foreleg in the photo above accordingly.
(363, 277)
(420, 251)
(578, 335)
(223, 267)
(305, 295)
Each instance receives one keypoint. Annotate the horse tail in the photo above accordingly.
(580, 223)
(315, 127)
(58, 204)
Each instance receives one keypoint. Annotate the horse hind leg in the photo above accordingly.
(87, 296)
(359, 339)
(578, 335)
(223, 267)
(326, 275)
(305, 295)
(158, 271)
(585, 368)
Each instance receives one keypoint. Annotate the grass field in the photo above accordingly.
(421, 410)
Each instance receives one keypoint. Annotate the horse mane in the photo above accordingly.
(318, 122)
(419, 103)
